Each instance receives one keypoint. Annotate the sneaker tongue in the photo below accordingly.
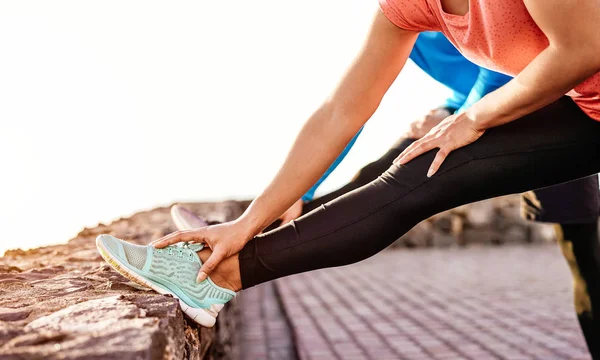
(194, 248)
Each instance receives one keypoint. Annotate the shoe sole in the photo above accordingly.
(198, 315)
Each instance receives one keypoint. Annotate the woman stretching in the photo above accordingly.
(573, 207)
(525, 135)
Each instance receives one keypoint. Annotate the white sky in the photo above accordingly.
(110, 107)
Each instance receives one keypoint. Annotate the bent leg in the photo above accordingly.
(364, 175)
(574, 202)
(574, 207)
(556, 144)
(580, 247)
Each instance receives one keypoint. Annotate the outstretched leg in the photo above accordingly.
(553, 145)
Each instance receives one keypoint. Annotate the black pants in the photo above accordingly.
(553, 145)
(573, 202)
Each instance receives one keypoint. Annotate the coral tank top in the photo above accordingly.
(498, 35)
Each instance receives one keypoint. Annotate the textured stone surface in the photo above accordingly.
(511, 302)
(65, 302)
(102, 328)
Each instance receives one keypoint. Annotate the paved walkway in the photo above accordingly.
(265, 331)
(479, 303)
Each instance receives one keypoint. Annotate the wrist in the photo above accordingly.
(248, 226)
(479, 119)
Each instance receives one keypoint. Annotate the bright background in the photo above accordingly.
(111, 107)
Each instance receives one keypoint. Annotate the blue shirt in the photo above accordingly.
(435, 55)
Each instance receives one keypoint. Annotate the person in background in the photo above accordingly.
(572, 207)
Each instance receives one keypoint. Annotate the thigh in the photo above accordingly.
(560, 124)
(574, 202)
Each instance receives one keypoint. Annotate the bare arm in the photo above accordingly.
(333, 125)
(571, 57)
(320, 141)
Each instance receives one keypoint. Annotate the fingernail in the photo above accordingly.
(201, 277)
(430, 173)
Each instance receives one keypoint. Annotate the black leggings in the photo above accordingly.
(363, 177)
(555, 144)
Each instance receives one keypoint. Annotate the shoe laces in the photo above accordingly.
(181, 251)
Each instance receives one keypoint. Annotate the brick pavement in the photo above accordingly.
(264, 331)
(511, 302)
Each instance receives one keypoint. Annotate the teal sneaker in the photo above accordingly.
(170, 270)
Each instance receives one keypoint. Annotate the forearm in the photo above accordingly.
(321, 140)
(332, 126)
(543, 81)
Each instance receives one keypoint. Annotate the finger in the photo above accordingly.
(420, 149)
(180, 235)
(408, 149)
(197, 235)
(437, 162)
(211, 264)
(167, 238)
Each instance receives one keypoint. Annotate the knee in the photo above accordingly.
(368, 174)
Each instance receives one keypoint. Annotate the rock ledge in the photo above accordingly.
(65, 302)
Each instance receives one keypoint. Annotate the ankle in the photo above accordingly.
(227, 273)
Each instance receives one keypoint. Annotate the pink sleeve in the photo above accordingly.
(413, 15)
